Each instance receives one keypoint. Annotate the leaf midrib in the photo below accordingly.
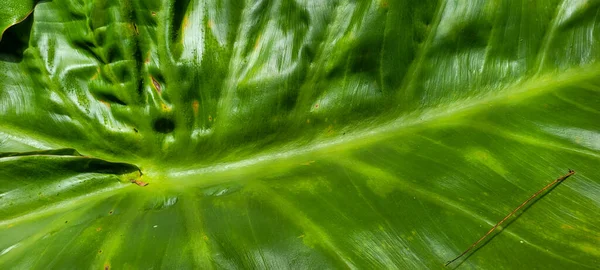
(365, 135)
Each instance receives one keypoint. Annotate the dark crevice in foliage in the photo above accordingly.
(101, 166)
(110, 98)
(75, 162)
(15, 40)
(179, 11)
(164, 125)
(57, 152)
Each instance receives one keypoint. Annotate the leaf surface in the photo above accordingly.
(300, 134)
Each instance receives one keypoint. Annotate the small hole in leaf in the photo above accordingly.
(164, 125)
(111, 212)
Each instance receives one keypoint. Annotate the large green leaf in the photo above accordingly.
(299, 134)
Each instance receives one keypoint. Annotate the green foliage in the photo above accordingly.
(298, 134)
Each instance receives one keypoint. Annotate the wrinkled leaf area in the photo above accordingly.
(299, 134)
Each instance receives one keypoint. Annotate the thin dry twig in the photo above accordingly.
(558, 180)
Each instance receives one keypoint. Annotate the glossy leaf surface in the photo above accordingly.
(299, 134)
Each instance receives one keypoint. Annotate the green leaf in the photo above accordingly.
(13, 12)
(300, 134)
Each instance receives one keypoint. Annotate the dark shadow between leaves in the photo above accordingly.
(55, 152)
(93, 165)
(15, 41)
(77, 163)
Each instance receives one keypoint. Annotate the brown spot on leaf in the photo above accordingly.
(99, 252)
(566, 227)
(195, 106)
(209, 24)
(257, 43)
(330, 130)
(210, 118)
(110, 212)
(105, 103)
(148, 57)
(140, 183)
(95, 75)
(316, 105)
(156, 85)
(106, 267)
(205, 237)
(153, 13)
(98, 229)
